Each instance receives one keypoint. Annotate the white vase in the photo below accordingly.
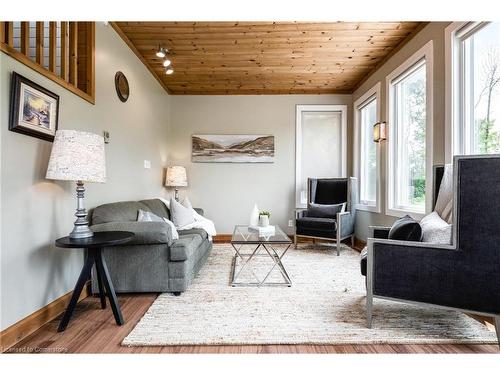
(254, 216)
(263, 221)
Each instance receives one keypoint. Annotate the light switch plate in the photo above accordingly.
(147, 164)
(290, 223)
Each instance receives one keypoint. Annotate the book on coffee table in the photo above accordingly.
(263, 231)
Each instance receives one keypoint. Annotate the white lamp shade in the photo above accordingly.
(176, 176)
(77, 156)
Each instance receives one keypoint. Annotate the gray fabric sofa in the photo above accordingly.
(152, 261)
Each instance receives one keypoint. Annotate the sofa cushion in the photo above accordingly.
(197, 231)
(146, 232)
(185, 247)
(405, 229)
(118, 211)
(317, 223)
(157, 207)
(324, 210)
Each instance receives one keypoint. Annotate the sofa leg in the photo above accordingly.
(177, 294)
(497, 328)
(295, 241)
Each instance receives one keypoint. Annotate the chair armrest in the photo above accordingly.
(345, 223)
(146, 232)
(408, 269)
(300, 212)
(379, 232)
(199, 211)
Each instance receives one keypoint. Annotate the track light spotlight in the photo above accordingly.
(162, 52)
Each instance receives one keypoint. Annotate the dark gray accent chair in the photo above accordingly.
(463, 276)
(152, 261)
(329, 191)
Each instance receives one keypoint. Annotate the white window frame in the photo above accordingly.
(298, 140)
(424, 53)
(367, 97)
(455, 125)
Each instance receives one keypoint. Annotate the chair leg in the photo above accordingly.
(338, 246)
(352, 241)
(295, 241)
(369, 310)
(497, 328)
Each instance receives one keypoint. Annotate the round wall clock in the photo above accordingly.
(121, 85)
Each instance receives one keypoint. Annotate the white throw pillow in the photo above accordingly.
(181, 216)
(149, 216)
(444, 201)
(435, 230)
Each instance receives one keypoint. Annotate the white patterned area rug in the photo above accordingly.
(325, 305)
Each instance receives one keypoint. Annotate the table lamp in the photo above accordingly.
(78, 156)
(176, 177)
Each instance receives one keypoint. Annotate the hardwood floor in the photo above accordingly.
(92, 330)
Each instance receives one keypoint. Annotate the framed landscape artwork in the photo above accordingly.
(34, 110)
(233, 148)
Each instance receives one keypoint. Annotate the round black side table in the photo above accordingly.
(94, 247)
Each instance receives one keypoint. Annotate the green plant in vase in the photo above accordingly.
(264, 218)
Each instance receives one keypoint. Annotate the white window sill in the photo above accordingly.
(399, 212)
(364, 207)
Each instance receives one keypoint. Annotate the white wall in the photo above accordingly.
(36, 211)
(228, 191)
(435, 32)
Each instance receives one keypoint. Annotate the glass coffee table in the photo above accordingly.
(261, 246)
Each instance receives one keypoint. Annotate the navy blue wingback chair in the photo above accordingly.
(329, 191)
(462, 276)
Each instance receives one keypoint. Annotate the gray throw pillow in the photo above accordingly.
(181, 216)
(328, 211)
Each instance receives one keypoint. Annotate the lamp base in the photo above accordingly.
(81, 228)
(176, 196)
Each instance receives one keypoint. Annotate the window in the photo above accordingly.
(476, 88)
(366, 153)
(320, 145)
(410, 135)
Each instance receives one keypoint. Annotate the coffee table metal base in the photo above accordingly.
(246, 259)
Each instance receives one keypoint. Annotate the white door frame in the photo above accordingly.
(298, 140)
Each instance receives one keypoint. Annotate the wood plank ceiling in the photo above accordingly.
(264, 57)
